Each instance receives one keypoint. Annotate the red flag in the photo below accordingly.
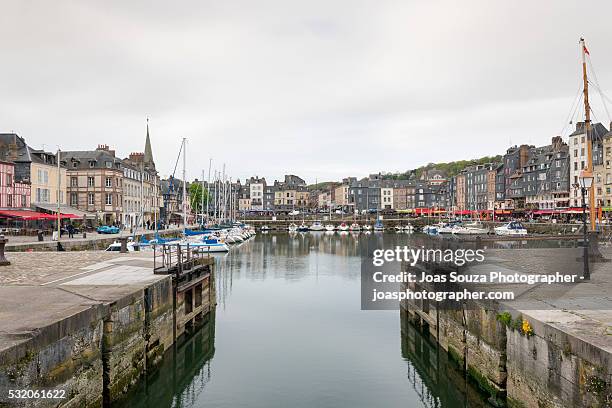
(586, 51)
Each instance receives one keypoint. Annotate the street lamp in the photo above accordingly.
(586, 181)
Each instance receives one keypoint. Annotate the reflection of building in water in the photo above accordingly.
(183, 374)
(437, 381)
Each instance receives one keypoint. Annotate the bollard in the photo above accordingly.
(84, 234)
(3, 260)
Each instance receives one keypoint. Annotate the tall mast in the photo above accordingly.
(202, 201)
(184, 184)
(208, 188)
(587, 128)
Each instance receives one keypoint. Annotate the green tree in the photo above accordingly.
(195, 197)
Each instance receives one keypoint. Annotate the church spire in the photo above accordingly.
(148, 153)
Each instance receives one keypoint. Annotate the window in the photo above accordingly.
(109, 199)
(74, 182)
(109, 182)
(109, 165)
(24, 200)
(91, 182)
(74, 199)
(9, 180)
(91, 199)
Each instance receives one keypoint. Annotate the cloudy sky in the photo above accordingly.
(322, 89)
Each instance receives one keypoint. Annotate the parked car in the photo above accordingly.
(108, 229)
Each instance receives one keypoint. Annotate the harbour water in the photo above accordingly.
(289, 331)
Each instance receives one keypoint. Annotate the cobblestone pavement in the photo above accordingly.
(45, 268)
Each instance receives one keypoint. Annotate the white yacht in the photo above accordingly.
(330, 227)
(513, 228)
(343, 227)
(355, 227)
(292, 227)
(473, 228)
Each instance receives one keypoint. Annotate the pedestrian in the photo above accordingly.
(70, 231)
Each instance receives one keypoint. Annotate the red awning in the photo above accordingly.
(25, 215)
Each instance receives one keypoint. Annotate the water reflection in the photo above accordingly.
(289, 331)
(183, 374)
(438, 382)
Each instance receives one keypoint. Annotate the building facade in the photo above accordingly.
(96, 183)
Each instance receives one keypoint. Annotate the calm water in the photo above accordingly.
(288, 332)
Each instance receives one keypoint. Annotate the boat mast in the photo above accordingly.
(587, 128)
(208, 189)
(184, 184)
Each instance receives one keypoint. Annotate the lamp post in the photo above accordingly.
(586, 181)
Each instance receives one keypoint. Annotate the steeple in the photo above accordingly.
(148, 153)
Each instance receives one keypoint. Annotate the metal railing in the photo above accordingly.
(175, 258)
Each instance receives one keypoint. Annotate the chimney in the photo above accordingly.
(557, 143)
(104, 148)
(523, 155)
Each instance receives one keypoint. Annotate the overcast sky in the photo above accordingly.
(321, 89)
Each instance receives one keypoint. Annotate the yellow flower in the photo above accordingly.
(526, 328)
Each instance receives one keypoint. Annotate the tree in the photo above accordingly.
(195, 197)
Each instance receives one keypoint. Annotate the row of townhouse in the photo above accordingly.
(539, 178)
(92, 184)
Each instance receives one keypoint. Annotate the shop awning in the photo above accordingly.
(66, 211)
(25, 215)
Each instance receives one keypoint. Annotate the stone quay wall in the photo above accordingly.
(98, 354)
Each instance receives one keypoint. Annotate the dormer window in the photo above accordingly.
(92, 163)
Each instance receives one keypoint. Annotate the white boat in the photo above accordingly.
(343, 227)
(265, 228)
(367, 227)
(116, 247)
(292, 227)
(355, 227)
(303, 228)
(379, 226)
(448, 228)
(330, 227)
(432, 229)
(398, 228)
(317, 226)
(513, 228)
(207, 245)
(408, 228)
(474, 228)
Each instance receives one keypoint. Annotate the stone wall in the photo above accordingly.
(98, 354)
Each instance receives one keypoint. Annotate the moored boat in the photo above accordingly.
(513, 228)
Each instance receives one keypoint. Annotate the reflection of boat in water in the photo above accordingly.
(317, 226)
(513, 228)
